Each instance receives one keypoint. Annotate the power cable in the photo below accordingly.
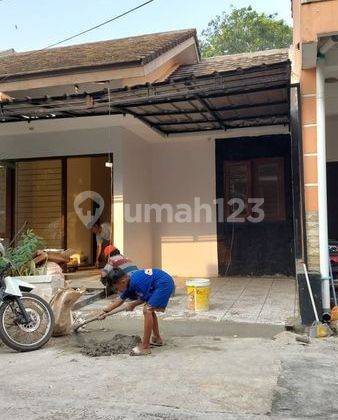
(88, 30)
(99, 25)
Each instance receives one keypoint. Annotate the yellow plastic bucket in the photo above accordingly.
(198, 292)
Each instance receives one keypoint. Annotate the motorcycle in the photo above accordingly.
(26, 320)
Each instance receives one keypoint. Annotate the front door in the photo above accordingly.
(254, 180)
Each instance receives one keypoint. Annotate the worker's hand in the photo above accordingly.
(108, 308)
(130, 306)
(102, 316)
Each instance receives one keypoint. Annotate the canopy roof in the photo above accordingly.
(245, 90)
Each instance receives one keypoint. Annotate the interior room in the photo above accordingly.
(40, 193)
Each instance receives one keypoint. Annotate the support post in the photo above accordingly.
(322, 187)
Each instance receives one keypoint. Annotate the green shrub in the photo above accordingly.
(21, 256)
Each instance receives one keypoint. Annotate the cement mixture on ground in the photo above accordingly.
(118, 344)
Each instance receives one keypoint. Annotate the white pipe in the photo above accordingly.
(322, 187)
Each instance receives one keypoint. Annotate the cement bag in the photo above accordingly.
(62, 304)
(58, 278)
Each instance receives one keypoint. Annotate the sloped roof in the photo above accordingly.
(256, 94)
(233, 62)
(136, 50)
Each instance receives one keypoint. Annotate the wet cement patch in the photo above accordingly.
(118, 344)
(189, 327)
(101, 343)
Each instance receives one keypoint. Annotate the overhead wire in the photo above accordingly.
(106, 22)
(99, 25)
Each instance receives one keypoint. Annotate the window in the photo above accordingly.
(269, 184)
(39, 199)
(238, 185)
(256, 179)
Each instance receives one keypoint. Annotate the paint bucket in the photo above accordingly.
(198, 292)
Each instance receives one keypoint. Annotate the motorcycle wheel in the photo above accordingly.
(21, 336)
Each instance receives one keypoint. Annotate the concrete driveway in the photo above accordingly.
(191, 377)
(248, 300)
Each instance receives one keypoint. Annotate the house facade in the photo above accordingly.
(201, 139)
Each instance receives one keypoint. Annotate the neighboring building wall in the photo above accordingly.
(182, 170)
(311, 19)
(318, 17)
(309, 129)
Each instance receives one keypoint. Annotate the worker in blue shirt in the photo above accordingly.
(151, 287)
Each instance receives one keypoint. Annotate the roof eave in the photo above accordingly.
(103, 66)
(68, 70)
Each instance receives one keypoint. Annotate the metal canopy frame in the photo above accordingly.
(258, 96)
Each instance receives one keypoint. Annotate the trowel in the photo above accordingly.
(77, 326)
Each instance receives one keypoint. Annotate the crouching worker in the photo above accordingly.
(152, 288)
(115, 260)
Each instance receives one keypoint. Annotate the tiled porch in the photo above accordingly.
(264, 300)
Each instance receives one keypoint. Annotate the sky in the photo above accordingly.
(34, 24)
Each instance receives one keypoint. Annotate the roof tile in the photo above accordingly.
(126, 51)
(233, 62)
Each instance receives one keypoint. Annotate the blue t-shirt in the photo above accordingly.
(143, 283)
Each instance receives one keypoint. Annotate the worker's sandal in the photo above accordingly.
(155, 343)
(139, 351)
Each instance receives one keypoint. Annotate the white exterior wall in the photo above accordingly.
(171, 172)
(159, 171)
(136, 171)
(182, 170)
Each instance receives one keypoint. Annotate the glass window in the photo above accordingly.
(269, 185)
(238, 186)
(255, 179)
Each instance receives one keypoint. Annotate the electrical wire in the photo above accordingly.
(230, 250)
(87, 30)
(99, 25)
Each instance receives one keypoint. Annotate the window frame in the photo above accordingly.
(226, 166)
(252, 166)
(281, 213)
